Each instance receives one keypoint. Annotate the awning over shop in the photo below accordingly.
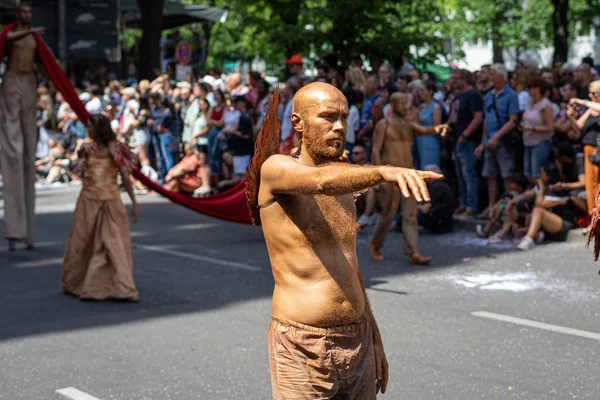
(441, 72)
(174, 14)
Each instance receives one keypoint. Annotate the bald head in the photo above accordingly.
(314, 95)
(320, 116)
(400, 103)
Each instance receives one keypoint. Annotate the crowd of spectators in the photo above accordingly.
(521, 149)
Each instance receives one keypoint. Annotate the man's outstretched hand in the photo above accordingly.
(410, 181)
(40, 30)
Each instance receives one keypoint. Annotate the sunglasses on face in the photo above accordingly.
(356, 153)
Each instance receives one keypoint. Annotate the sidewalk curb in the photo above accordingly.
(470, 224)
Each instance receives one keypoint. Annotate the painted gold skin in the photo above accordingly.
(21, 46)
(308, 217)
(394, 136)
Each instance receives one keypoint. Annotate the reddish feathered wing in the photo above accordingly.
(595, 225)
(267, 144)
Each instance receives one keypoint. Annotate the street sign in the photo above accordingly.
(183, 72)
(183, 52)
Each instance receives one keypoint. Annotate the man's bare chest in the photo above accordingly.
(25, 46)
(399, 134)
(323, 218)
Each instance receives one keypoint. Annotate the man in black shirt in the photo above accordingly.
(466, 115)
(436, 216)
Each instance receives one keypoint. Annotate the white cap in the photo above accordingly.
(210, 80)
(85, 97)
(184, 85)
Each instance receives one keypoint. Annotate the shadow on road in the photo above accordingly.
(32, 303)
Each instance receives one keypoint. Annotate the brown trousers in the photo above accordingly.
(410, 226)
(313, 363)
(592, 177)
(18, 138)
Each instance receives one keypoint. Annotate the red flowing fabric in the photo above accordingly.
(229, 205)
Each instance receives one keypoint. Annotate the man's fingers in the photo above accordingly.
(403, 186)
(415, 187)
(422, 186)
(430, 175)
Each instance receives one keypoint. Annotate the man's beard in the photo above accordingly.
(321, 152)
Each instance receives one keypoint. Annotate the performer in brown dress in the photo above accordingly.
(97, 262)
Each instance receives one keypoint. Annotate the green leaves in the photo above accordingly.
(384, 30)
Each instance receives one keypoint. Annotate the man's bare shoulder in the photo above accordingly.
(277, 167)
(381, 124)
(276, 163)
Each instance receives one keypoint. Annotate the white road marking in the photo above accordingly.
(75, 394)
(39, 263)
(196, 257)
(538, 325)
(193, 227)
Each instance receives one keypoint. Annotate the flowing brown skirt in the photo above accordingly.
(97, 262)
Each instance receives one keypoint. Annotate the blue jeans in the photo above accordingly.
(158, 155)
(426, 151)
(468, 184)
(214, 151)
(168, 147)
(535, 157)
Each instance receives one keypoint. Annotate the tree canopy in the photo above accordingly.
(381, 30)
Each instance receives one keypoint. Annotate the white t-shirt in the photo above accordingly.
(200, 124)
(94, 106)
(128, 115)
(353, 124)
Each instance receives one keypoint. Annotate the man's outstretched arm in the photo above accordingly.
(381, 364)
(17, 35)
(285, 175)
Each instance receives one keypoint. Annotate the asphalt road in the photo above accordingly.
(199, 331)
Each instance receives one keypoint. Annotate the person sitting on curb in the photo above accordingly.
(436, 216)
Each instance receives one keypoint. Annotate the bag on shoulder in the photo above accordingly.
(513, 140)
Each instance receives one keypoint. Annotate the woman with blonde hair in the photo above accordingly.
(357, 79)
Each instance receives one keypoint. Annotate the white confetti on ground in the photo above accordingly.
(518, 282)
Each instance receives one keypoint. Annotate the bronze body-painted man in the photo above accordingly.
(394, 136)
(323, 339)
(18, 130)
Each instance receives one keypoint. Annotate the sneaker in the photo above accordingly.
(459, 211)
(373, 219)
(364, 220)
(202, 191)
(494, 239)
(467, 214)
(480, 232)
(540, 237)
(526, 244)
